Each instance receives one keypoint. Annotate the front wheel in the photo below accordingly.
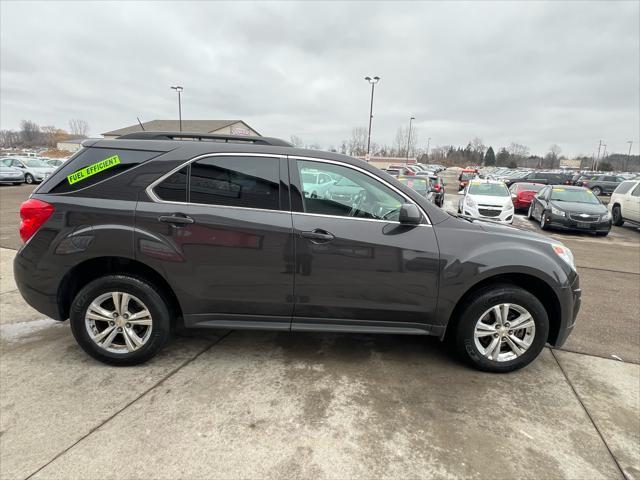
(544, 221)
(530, 212)
(501, 328)
(617, 216)
(28, 178)
(120, 320)
(597, 191)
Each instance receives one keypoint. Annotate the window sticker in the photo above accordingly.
(90, 170)
(559, 189)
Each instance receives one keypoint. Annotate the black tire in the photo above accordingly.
(480, 302)
(597, 191)
(28, 178)
(138, 287)
(544, 224)
(530, 212)
(617, 216)
(17, 184)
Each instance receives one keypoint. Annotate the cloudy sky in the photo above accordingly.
(534, 73)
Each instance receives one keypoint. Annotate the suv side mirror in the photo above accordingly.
(410, 214)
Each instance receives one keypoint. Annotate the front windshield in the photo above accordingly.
(418, 184)
(36, 163)
(571, 195)
(467, 176)
(490, 189)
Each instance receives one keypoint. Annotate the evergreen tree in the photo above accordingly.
(502, 159)
(490, 157)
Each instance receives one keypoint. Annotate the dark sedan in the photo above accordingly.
(570, 208)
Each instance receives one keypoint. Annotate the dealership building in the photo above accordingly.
(222, 127)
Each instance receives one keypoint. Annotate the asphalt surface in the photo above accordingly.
(274, 405)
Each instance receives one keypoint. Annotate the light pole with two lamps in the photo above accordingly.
(373, 82)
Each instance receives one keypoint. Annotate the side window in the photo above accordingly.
(251, 182)
(350, 194)
(636, 191)
(6, 162)
(174, 187)
(609, 179)
(624, 187)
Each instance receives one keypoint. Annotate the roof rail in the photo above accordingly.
(215, 137)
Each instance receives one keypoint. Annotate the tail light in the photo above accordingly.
(437, 187)
(33, 213)
(584, 184)
(410, 173)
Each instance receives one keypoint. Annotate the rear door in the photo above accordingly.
(357, 267)
(220, 229)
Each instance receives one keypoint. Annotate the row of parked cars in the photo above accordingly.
(19, 170)
(567, 207)
(422, 178)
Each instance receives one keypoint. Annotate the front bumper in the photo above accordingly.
(495, 214)
(568, 223)
(570, 301)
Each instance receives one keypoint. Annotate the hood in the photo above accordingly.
(489, 200)
(494, 227)
(579, 207)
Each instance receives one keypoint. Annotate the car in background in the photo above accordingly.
(603, 184)
(548, 178)
(398, 171)
(34, 169)
(466, 175)
(419, 184)
(487, 199)
(625, 203)
(54, 162)
(522, 193)
(11, 175)
(437, 185)
(570, 208)
(315, 183)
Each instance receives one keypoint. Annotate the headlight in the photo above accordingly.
(508, 206)
(470, 202)
(555, 211)
(606, 216)
(564, 253)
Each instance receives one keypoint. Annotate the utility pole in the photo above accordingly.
(409, 137)
(179, 89)
(595, 163)
(373, 82)
(630, 142)
(428, 144)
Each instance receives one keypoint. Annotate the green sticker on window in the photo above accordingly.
(98, 167)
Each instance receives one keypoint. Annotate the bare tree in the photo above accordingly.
(29, 133)
(478, 146)
(296, 141)
(357, 144)
(9, 138)
(401, 142)
(78, 128)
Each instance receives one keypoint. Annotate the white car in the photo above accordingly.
(34, 169)
(487, 199)
(625, 203)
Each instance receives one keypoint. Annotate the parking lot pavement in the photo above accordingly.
(10, 199)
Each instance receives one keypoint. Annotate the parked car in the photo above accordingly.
(437, 185)
(315, 184)
(465, 176)
(570, 208)
(549, 178)
(54, 162)
(11, 175)
(210, 234)
(625, 203)
(35, 170)
(523, 193)
(419, 184)
(487, 199)
(603, 184)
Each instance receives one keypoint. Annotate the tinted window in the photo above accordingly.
(636, 191)
(610, 179)
(174, 187)
(574, 195)
(624, 187)
(92, 165)
(251, 182)
(354, 194)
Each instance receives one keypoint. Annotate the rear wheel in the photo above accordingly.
(501, 329)
(530, 212)
(597, 191)
(120, 320)
(617, 216)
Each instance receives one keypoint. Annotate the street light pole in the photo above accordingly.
(595, 164)
(428, 144)
(409, 137)
(630, 142)
(179, 89)
(373, 82)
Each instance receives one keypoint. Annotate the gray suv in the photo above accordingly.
(135, 236)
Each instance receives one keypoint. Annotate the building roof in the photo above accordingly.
(193, 126)
(73, 140)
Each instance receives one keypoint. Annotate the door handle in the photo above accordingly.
(176, 219)
(318, 236)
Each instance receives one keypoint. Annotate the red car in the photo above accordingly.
(522, 194)
(466, 175)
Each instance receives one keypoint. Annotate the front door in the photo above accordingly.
(220, 234)
(357, 267)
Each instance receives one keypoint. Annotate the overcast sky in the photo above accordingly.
(534, 73)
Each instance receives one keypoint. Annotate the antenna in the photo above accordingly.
(141, 126)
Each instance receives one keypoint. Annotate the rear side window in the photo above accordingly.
(93, 165)
(251, 182)
(174, 188)
(624, 187)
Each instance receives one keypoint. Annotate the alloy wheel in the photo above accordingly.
(504, 332)
(118, 322)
